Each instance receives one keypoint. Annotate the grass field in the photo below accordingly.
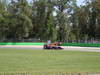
(47, 62)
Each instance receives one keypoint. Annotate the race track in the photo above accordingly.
(66, 48)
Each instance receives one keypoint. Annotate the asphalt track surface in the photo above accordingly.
(66, 48)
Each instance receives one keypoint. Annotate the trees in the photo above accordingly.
(93, 14)
(38, 18)
(62, 7)
(96, 16)
(43, 19)
(21, 13)
(56, 20)
(4, 20)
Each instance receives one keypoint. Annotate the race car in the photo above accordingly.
(52, 46)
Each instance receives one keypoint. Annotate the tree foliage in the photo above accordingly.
(56, 20)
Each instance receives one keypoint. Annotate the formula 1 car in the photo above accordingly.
(52, 46)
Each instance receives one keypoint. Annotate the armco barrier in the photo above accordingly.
(11, 43)
(81, 44)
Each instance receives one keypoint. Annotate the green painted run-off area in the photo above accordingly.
(81, 44)
(11, 43)
(63, 44)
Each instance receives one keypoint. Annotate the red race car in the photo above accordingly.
(52, 46)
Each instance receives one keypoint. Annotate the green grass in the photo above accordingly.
(48, 62)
